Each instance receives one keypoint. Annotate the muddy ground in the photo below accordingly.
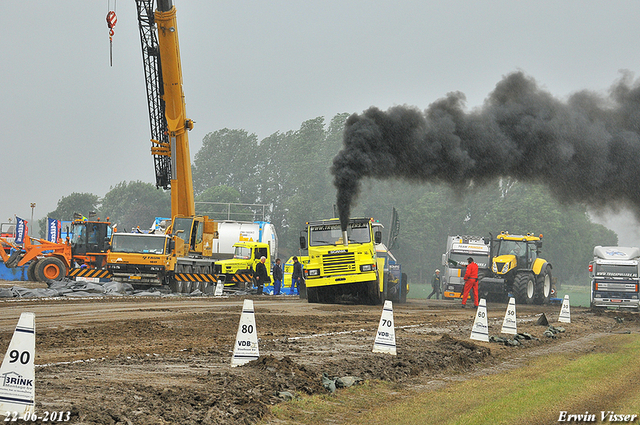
(127, 360)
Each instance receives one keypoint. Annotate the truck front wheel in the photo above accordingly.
(312, 295)
(375, 296)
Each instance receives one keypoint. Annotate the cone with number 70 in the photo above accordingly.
(385, 341)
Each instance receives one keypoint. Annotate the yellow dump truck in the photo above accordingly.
(343, 266)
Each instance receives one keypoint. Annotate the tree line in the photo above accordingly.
(290, 173)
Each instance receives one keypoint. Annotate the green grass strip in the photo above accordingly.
(605, 379)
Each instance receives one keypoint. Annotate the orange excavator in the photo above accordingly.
(83, 254)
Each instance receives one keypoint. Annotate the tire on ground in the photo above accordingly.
(31, 271)
(543, 286)
(312, 295)
(50, 268)
(405, 288)
(524, 288)
(175, 286)
(373, 289)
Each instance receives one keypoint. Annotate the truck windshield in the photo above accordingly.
(461, 259)
(332, 234)
(7, 229)
(184, 224)
(616, 270)
(138, 243)
(242, 253)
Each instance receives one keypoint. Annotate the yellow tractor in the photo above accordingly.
(517, 270)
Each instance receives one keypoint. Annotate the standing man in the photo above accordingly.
(470, 281)
(277, 277)
(261, 274)
(296, 276)
(436, 288)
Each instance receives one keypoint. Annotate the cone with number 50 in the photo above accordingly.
(480, 330)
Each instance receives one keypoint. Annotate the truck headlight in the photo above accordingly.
(505, 268)
(494, 268)
(313, 272)
(366, 268)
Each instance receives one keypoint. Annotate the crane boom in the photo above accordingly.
(167, 108)
(160, 147)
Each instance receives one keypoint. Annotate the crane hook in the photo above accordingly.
(111, 23)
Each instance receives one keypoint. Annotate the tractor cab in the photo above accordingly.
(89, 241)
(513, 252)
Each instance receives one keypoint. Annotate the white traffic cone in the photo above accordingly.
(17, 373)
(385, 341)
(219, 289)
(246, 347)
(565, 311)
(509, 323)
(480, 330)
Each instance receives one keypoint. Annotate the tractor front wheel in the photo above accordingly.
(524, 288)
(50, 268)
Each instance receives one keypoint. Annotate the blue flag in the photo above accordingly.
(53, 229)
(21, 230)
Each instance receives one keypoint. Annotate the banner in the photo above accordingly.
(53, 229)
(21, 230)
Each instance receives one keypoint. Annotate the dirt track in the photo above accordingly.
(167, 360)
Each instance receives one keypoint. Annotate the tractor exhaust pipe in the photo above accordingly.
(344, 238)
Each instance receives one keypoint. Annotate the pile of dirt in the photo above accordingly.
(415, 357)
(244, 395)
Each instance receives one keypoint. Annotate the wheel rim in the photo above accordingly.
(547, 285)
(530, 288)
(51, 271)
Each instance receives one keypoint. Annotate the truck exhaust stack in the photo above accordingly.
(345, 239)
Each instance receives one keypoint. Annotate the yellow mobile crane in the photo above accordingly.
(182, 258)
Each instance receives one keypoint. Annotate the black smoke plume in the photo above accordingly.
(585, 149)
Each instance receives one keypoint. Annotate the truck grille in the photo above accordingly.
(610, 286)
(339, 263)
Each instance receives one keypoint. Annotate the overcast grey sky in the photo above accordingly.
(72, 123)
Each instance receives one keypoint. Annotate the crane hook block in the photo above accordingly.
(111, 20)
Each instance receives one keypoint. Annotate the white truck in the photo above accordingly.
(454, 262)
(614, 277)
(232, 232)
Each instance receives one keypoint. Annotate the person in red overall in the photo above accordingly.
(470, 281)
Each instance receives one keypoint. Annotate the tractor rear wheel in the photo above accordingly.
(524, 288)
(50, 268)
(543, 287)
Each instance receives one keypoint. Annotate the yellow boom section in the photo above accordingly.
(182, 202)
